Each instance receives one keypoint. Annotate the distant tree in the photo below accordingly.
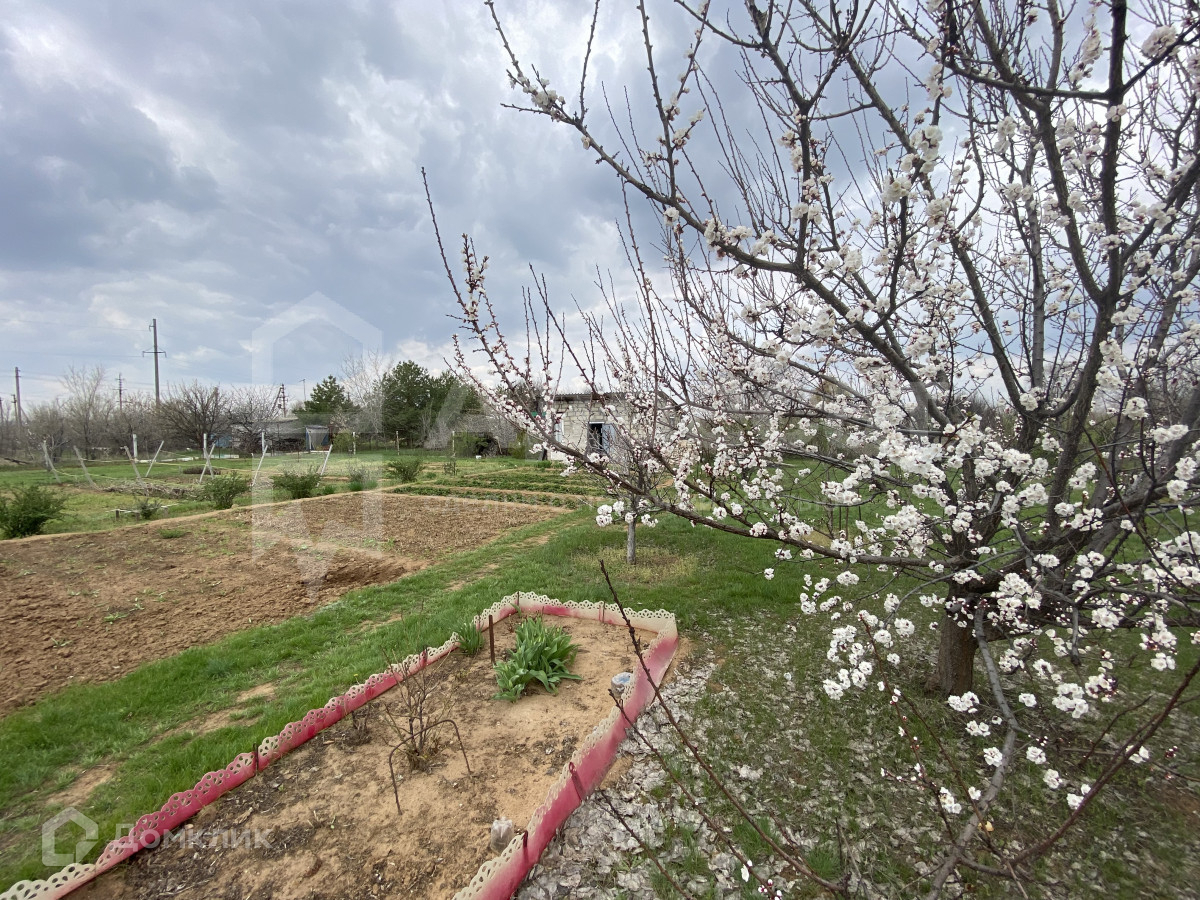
(250, 411)
(46, 424)
(194, 410)
(362, 377)
(88, 407)
(135, 414)
(417, 403)
(406, 395)
(10, 438)
(328, 397)
(450, 399)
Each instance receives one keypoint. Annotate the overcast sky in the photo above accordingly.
(212, 165)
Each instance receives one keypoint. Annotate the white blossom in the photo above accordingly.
(967, 702)
(948, 803)
(1159, 40)
(1135, 408)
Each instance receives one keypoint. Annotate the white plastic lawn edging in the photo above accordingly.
(497, 879)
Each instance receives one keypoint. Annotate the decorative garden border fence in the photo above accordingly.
(496, 879)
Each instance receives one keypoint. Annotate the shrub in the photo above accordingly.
(296, 485)
(362, 477)
(403, 468)
(199, 470)
(543, 654)
(342, 442)
(470, 638)
(224, 489)
(26, 510)
(147, 508)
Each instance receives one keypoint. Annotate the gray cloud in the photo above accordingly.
(209, 165)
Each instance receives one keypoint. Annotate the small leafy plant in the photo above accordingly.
(296, 485)
(26, 510)
(148, 508)
(403, 468)
(543, 654)
(224, 489)
(362, 478)
(470, 639)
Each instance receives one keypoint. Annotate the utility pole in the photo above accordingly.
(17, 396)
(121, 392)
(156, 352)
(304, 388)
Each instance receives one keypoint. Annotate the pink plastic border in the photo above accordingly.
(497, 879)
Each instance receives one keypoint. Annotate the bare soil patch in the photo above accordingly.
(215, 721)
(77, 792)
(91, 607)
(326, 817)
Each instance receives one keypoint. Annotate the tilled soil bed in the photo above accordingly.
(322, 823)
(91, 607)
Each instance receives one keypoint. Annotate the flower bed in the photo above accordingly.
(589, 753)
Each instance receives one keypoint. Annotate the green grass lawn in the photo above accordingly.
(818, 760)
(310, 659)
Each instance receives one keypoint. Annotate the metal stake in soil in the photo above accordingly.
(492, 639)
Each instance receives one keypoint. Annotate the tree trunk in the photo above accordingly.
(630, 545)
(955, 673)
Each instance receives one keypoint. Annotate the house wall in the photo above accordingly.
(577, 415)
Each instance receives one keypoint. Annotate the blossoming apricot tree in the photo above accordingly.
(937, 263)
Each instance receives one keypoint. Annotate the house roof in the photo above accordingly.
(590, 396)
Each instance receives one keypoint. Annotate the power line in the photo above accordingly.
(24, 352)
(40, 376)
(19, 320)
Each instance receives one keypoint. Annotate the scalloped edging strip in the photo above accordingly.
(496, 879)
(499, 878)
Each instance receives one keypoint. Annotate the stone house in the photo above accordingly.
(588, 422)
